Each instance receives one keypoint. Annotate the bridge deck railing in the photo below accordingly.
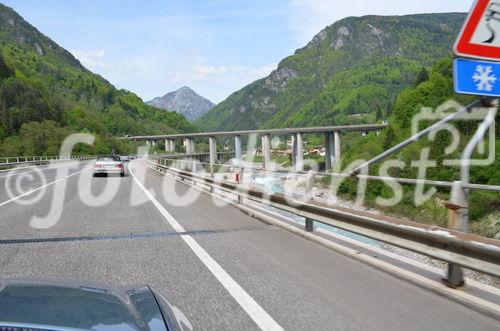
(10, 162)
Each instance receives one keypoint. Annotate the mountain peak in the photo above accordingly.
(184, 101)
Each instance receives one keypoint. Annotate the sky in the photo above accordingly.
(216, 47)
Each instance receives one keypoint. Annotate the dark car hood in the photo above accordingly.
(80, 305)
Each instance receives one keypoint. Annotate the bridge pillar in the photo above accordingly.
(298, 151)
(153, 143)
(266, 151)
(336, 135)
(237, 149)
(212, 144)
(329, 150)
(169, 145)
(189, 144)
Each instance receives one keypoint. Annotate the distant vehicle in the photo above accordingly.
(70, 305)
(108, 165)
(125, 158)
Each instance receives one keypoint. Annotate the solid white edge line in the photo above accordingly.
(253, 309)
(39, 188)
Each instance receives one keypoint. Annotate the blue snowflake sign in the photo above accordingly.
(477, 77)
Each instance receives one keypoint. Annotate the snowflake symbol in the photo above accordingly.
(484, 78)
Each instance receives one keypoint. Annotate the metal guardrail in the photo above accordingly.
(312, 174)
(7, 163)
(467, 250)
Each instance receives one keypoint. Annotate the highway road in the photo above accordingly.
(222, 268)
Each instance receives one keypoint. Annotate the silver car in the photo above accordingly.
(108, 165)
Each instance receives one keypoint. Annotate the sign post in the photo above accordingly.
(476, 71)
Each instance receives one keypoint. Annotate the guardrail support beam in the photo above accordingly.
(266, 151)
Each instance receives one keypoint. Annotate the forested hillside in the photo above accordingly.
(432, 91)
(45, 94)
(349, 73)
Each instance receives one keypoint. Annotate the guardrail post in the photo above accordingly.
(457, 220)
(309, 224)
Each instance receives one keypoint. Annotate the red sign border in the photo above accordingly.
(463, 46)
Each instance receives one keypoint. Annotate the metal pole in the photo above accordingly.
(458, 207)
(415, 137)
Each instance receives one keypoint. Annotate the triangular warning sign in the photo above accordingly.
(480, 36)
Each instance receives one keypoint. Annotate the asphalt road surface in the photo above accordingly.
(223, 269)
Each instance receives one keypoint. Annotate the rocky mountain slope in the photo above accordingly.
(350, 72)
(184, 101)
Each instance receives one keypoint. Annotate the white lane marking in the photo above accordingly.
(39, 188)
(38, 169)
(253, 309)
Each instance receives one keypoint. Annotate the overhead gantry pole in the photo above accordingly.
(266, 151)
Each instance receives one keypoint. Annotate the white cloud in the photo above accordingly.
(97, 61)
(198, 70)
(214, 81)
(308, 17)
(91, 59)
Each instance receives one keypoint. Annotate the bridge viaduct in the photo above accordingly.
(332, 136)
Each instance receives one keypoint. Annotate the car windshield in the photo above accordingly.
(109, 158)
